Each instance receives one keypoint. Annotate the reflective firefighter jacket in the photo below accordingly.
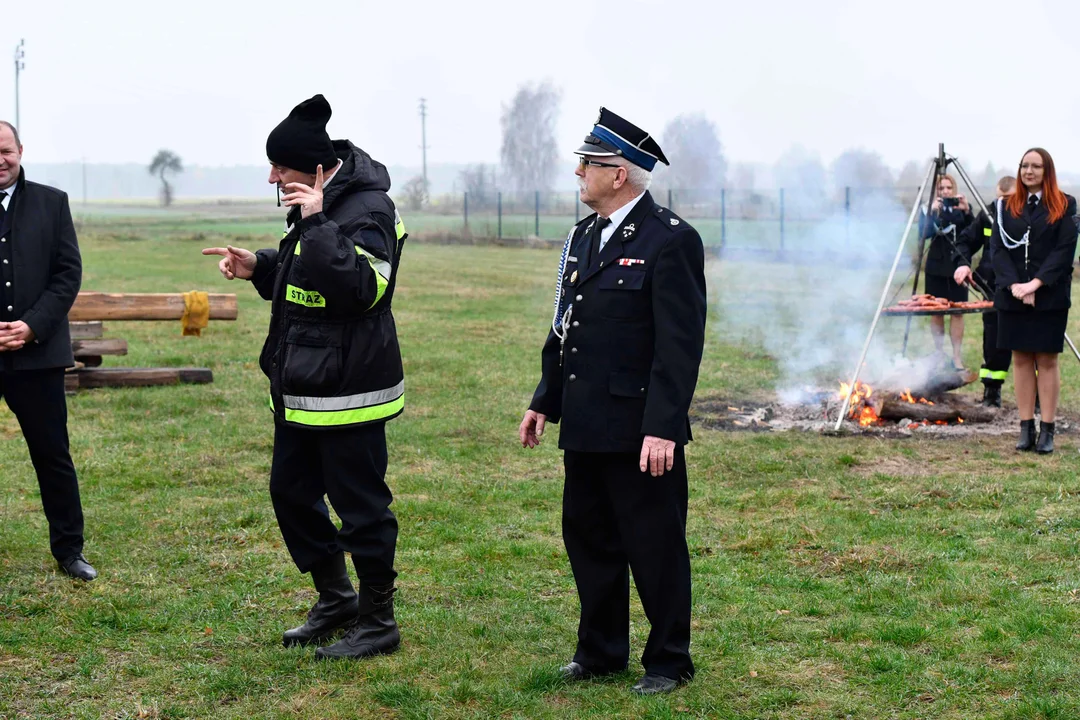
(332, 352)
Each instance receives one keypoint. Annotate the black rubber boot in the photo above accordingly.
(337, 605)
(1045, 446)
(374, 632)
(1027, 435)
(992, 396)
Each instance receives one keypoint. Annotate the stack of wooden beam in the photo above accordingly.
(89, 344)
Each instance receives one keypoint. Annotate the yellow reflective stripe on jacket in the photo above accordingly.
(993, 374)
(346, 417)
(382, 273)
(399, 225)
(307, 298)
(988, 231)
(345, 409)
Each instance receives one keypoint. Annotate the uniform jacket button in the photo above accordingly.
(573, 351)
(573, 378)
(620, 281)
(578, 298)
(574, 324)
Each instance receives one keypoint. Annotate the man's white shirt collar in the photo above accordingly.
(617, 218)
(6, 202)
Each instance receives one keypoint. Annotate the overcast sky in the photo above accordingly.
(114, 81)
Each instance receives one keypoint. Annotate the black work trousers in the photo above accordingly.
(996, 361)
(617, 519)
(36, 397)
(347, 466)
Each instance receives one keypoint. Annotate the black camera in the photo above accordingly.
(950, 202)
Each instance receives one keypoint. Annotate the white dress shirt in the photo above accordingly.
(6, 202)
(617, 218)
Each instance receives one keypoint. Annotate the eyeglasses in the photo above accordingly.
(584, 162)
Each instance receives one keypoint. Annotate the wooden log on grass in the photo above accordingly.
(145, 306)
(139, 377)
(86, 330)
(96, 347)
(948, 409)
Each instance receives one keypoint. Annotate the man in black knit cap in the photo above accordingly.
(335, 372)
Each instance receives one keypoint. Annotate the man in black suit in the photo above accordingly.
(40, 273)
(619, 369)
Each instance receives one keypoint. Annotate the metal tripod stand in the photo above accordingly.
(936, 169)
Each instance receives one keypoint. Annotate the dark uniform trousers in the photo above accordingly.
(348, 466)
(615, 516)
(36, 397)
(996, 361)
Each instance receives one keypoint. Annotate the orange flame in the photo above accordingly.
(859, 409)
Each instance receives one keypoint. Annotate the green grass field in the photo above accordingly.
(834, 577)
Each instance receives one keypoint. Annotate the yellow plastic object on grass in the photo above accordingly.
(196, 312)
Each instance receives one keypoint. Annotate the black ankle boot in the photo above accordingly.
(337, 605)
(374, 632)
(992, 396)
(1027, 435)
(1045, 445)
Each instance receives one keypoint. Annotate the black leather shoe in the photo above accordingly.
(1027, 435)
(77, 567)
(337, 605)
(373, 632)
(654, 685)
(992, 396)
(1045, 445)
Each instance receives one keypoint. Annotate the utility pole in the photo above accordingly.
(423, 138)
(20, 65)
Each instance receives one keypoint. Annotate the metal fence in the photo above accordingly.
(784, 219)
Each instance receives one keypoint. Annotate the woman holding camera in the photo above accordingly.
(948, 217)
(1034, 242)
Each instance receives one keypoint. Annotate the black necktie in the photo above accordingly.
(3, 196)
(1033, 202)
(598, 228)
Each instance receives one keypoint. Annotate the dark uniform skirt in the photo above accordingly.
(945, 287)
(1033, 331)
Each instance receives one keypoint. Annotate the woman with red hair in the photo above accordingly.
(1033, 245)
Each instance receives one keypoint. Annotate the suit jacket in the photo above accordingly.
(635, 337)
(940, 257)
(975, 238)
(1050, 253)
(46, 275)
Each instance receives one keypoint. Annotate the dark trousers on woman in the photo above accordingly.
(347, 466)
(996, 361)
(37, 399)
(617, 519)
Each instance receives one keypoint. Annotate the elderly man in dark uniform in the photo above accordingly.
(40, 274)
(619, 369)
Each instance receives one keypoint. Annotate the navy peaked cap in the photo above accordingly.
(612, 135)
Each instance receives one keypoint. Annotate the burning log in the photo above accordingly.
(942, 382)
(946, 410)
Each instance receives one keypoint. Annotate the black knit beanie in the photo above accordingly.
(300, 141)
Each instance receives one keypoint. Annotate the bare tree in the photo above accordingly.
(166, 161)
(479, 182)
(415, 193)
(862, 169)
(692, 144)
(529, 151)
